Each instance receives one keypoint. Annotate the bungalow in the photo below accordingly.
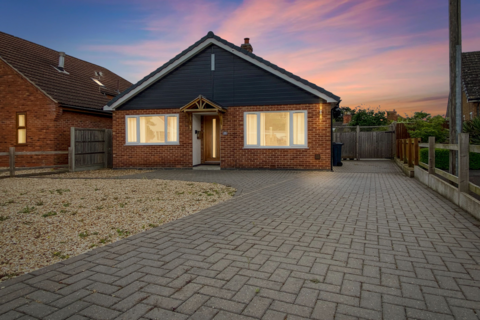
(217, 103)
(43, 93)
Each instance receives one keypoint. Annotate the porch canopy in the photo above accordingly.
(202, 105)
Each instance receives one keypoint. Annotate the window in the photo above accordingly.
(277, 129)
(152, 129)
(21, 128)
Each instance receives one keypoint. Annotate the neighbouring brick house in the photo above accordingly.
(471, 85)
(43, 93)
(217, 103)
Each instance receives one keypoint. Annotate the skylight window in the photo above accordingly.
(98, 82)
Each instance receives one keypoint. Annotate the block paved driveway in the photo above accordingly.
(291, 245)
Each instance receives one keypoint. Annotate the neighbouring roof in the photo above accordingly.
(75, 89)
(130, 92)
(471, 75)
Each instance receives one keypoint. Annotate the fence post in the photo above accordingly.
(401, 148)
(416, 150)
(70, 159)
(431, 155)
(72, 151)
(357, 140)
(11, 161)
(394, 129)
(463, 162)
(409, 152)
(405, 154)
(108, 140)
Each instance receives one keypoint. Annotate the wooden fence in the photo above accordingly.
(91, 149)
(358, 144)
(464, 148)
(12, 154)
(401, 131)
(408, 151)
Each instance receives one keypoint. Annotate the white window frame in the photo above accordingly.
(138, 143)
(290, 146)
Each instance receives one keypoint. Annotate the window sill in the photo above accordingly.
(277, 148)
(150, 144)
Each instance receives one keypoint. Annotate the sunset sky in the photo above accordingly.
(387, 53)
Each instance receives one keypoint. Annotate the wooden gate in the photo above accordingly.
(363, 143)
(91, 149)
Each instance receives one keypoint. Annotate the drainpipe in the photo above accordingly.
(331, 134)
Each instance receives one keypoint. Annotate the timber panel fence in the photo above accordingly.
(92, 149)
(367, 144)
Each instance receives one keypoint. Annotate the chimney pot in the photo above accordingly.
(247, 46)
(61, 60)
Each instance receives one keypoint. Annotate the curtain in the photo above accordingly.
(172, 129)
(251, 129)
(299, 128)
(132, 129)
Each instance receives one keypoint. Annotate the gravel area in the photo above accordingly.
(43, 220)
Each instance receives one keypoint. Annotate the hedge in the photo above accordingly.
(442, 157)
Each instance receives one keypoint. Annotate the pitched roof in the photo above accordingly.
(75, 89)
(471, 75)
(130, 92)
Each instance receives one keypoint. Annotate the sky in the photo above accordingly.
(387, 54)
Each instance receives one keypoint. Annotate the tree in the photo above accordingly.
(425, 126)
(339, 116)
(419, 115)
(368, 117)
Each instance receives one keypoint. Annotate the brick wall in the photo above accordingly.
(48, 126)
(233, 154)
(151, 156)
(19, 95)
(469, 110)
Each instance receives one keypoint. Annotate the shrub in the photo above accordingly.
(472, 127)
(442, 158)
(431, 127)
(368, 117)
(474, 161)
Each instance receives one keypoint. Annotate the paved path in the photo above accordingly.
(291, 245)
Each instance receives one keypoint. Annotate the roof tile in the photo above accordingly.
(75, 89)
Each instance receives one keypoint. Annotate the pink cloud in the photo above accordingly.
(356, 49)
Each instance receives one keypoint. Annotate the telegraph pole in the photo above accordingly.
(455, 97)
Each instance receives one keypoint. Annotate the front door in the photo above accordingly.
(211, 125)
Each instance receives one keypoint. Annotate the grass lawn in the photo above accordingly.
(43, 221)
